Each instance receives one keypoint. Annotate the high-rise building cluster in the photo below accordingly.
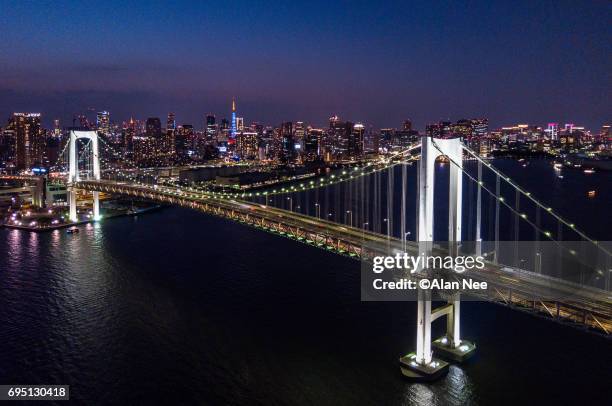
(25, 144)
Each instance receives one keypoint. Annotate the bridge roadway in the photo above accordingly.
(545, 296)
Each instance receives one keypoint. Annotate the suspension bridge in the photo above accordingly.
(361, 211)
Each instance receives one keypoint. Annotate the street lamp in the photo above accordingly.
(318, 210)
(349, 214)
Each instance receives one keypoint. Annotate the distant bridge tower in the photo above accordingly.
(73, 173)
(421, 364)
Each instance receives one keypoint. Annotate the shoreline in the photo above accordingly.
(78, 223)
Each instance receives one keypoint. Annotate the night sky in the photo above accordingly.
(510, 61)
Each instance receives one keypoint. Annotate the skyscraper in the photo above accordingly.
(339, 135)
(7, 148)
(170, 140)
(355, 141)
(129, 131)
(233, 133)
(287, 147)
(553, 131)
(29, 140)
(480, 127)
(211, 128)
(312, 144)
(103, 122)
(153, 127)
(57, 130)
(171, 122)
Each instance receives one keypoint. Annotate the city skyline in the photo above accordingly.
(200, 124)
(423, 63)
(178, 177)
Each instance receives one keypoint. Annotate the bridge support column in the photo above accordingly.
(72, 205)
(421, 365)
(423, 353)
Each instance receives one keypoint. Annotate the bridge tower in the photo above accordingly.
(73, 173)
(421, 364)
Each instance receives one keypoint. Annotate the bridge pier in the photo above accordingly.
(421, 365)
(72, 205)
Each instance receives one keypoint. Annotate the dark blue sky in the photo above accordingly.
(371, 61)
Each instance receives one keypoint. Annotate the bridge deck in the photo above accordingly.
(588, 307)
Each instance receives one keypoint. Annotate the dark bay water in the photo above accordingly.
(176, 307)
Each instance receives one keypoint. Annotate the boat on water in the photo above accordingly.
(72, 230)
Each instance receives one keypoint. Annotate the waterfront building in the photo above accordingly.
(28, 138)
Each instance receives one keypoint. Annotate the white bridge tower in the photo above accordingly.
(421, 364)
(74, 175)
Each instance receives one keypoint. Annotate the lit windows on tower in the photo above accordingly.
(233, 133)
(103, 122)
(553, 131)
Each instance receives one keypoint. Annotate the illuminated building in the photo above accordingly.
(371, 142)
(233, 133)
(287, 143)
(299, 134)
(339, 136)
(355, 141)
(385, 138)
(8, 143)
(312, 144)
(604, 136)
(480, 127)
(57, 130)
(129, 131)
(170, 139)
(211, 129)
(400, 139)
(433, 130)
(103, 122)
(185, 141)
(29, 139)
(519, 133)
(552, 131)
(247, 144)
(144, 149)
(155, 143)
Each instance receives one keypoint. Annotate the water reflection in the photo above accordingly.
(454, 389)
(159, 310)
